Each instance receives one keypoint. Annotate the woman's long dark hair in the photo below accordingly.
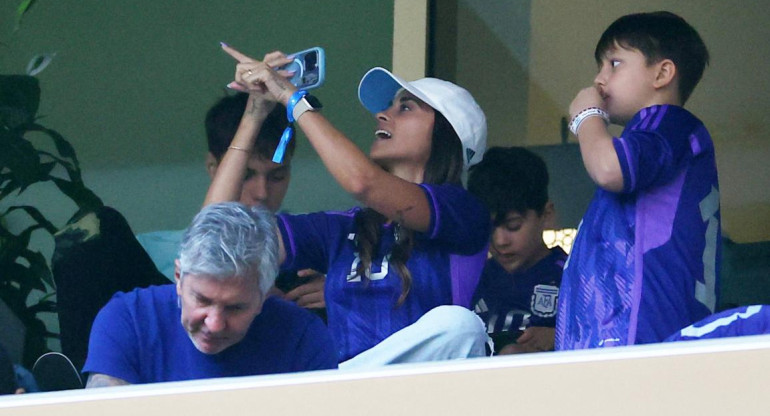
(445, 165)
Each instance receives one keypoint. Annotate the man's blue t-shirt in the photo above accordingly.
(445, 265)
(645, 260)
(138, 337)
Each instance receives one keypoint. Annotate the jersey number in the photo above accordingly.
(705, 292)
(352, 277)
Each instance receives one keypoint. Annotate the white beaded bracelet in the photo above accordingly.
(574, 125)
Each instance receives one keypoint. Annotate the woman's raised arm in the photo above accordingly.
(398, 199)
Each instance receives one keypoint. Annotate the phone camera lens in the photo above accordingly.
(311, 61)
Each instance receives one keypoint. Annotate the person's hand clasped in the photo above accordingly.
(310, 294)
(534, 339)
(260, 77)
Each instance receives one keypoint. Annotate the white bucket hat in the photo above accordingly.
(379, 86)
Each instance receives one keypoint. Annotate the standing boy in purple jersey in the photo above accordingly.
(646, 258)
(519, 287)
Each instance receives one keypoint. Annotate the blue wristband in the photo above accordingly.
(293, 102)
(288, 133)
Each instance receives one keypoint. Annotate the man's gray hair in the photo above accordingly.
(229, 239)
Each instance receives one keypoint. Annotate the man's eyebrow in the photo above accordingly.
(198, 295)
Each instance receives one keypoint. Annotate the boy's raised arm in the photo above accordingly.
(596, 147)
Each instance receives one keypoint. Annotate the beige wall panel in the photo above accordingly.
(690, 378)
(410, 37)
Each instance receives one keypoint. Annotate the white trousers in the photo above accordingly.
(444, 333)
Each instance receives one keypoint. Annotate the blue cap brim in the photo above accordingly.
(377, 89)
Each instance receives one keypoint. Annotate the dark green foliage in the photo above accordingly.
(22, 269)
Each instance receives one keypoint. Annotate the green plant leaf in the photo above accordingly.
(38, 267)
(64, 147)
(27, 278)
(7, 241)
(36, 215)
(43, 306)
(12, 248)
(47, 167)
(19, 100)
(85, 199)
(17, 243)
(8, 185)
(16, 246)
(65, 150)
(23, 8)
(21, 159)
(56, 160)
(13, 297)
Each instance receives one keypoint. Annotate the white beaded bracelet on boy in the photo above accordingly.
(574, 125)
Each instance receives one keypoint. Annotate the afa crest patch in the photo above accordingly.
(544, 300)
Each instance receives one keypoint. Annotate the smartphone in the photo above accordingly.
(309, 68)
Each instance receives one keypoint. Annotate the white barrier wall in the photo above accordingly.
(724, 377)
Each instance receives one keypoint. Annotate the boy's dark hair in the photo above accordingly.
(510, 179)
(222, 122)
(660, 35)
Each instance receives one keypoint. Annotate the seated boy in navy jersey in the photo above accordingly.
(646, 257)
(516, 296)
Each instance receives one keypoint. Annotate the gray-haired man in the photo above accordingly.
(228, 261)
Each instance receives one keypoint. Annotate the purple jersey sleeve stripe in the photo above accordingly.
(695, 144)
(650, 120)
(289, 244)
(626, 165)
(640, 118)
(658, 118)
(646, 118)
(465, 276)
(434, 213)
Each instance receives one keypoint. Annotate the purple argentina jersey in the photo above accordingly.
(445, 264)
(645, 261)
(515, 301)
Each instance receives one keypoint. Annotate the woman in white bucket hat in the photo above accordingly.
(420, 242)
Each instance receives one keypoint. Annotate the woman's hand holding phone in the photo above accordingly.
(259, 77)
